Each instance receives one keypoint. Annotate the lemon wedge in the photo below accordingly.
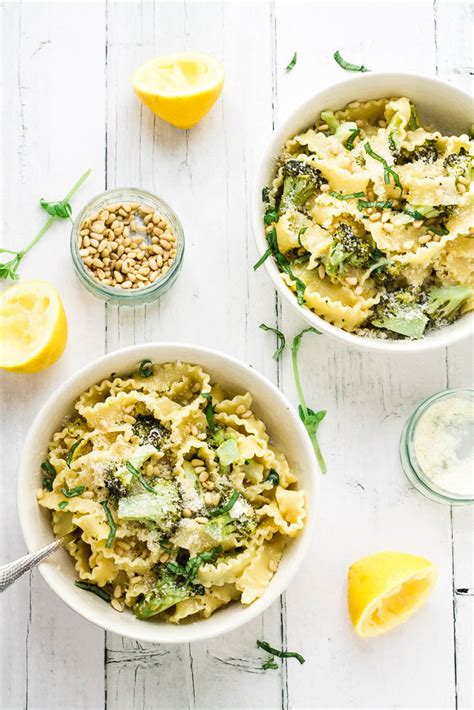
(33, 327)
(385, 589)
(180, 88)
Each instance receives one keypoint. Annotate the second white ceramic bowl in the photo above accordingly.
(447, 108)
(284, 427)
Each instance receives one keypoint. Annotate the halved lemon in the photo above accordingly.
(33, 327)
(385, 589)
(180, 88)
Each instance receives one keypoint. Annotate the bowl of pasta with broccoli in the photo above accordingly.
(363, 212)
(181, 484)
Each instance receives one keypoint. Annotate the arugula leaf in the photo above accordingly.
(280, 338)
(72, 451)
(310, 418)
(347, 65)
(348, 196)
(281, 654)
(94, 589)
(111, 522)
(209, 412)
(292, 63)
(146, 368)
(388, 171)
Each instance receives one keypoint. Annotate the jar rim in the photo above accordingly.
(113, 294)
(409, 462)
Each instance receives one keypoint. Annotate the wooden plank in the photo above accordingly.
(53, 131)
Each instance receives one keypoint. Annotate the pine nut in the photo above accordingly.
(424, 238)
(325, 187)
(241, 409)
(117, 605)
(186, 513)
(351, 280)
(418, 223)
(375, 217)
(388, 227)
(461, 188)
(321, 271)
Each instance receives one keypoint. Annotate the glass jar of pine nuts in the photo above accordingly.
(127, 246)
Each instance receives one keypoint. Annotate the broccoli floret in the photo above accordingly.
(445, 302)
(458, 164)
(427, 152)
(300, 181)
(150, 431)
(114, 485)
(160, 509)
(168, 591)
(240, 521)
(401, 312)
(347, 249)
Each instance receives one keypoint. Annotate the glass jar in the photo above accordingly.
(451, 437)
(111, 294)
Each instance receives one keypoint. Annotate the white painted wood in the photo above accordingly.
(68, 104)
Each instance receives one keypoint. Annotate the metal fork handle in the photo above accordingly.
(10, 572)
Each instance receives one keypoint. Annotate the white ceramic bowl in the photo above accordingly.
(284, 426)
(448, 108)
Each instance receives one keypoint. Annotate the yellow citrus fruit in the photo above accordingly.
(33, 327)
(385, 589)
(180, 88)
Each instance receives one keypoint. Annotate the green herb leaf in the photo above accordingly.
(347, 65)
(440, 231)
(391, 143)
(146, 368)
(283, 264)
(270, 664)
(310, 419)
(365, 204)
(51, 474)
(348, 196)
(60, 209)
(265, 194)
(73, 492)
(63, 504)
(300, 234)
(191, 568)
(413, 213)
(413, 123)
(280, 338)
(281, 654)
(270, 216)
(292, 63)
(72, 451)
(225, 508)
(8, 269)
(136, 474)
(209, 412)
(111, 522)
(94, 589)
(388, 171)
(263, 258)
(352, 136)
(273, 477)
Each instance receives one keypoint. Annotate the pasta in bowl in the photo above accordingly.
(174, 499)
(368, 213)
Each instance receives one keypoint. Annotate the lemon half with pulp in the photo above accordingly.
(33, 327)
(385, 589)
(180, 88)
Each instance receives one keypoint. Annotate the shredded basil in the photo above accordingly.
(440, 231)
(273, 477)
(352, 136)
(388, 171)
(262, 259)
(292, 63)
(209, 412)
(63, 504)
(265, 194)
(225, 508)
(285, 265)
(280, 338)
(413, 213)
(347, 65)
(348, 196)
(94, 589)
(146, 368)
(191, 568)
(270, 216)
(73, 492)
(136, 474)
(51, 474)
(365, 204)
(111, 522)
(72, 451)
(281, 654)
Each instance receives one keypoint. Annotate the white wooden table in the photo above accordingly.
(68, 105)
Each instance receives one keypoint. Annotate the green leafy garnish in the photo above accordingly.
(146, 368)
(347, 65)
(310, 419)
(8, 269)
(273, 477)
(281, 654)
(111, 522)
(391, 143)
(413, 213)
(352, 136)
(413, 122)
(88, 587)
(300, 234)
(270, 216)
(388, 171)
(365, 204)
(285, 265)
(136, 474)
(63, 504)
(72, 451)
(440, 231)
(290, 66)
(51, 474)
(270, 664)
(280, 338)
(73, 492)
(191, 568)
(225, 508)
(209, 412)
(265, 194)
(263, 258)
(348, 196)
